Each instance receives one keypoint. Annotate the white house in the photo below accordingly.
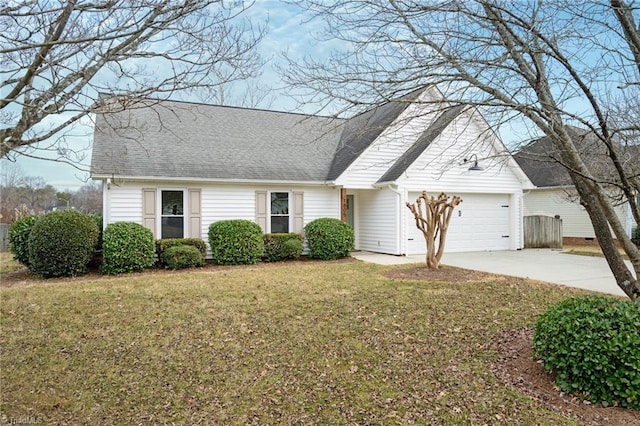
(554, 193)
(177, 167)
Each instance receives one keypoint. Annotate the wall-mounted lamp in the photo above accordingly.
(475, 166)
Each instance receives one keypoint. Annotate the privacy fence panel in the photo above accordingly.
(542, 232)
(4, 237)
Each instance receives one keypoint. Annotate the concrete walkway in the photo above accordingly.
(586, 272)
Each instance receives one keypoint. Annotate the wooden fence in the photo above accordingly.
(542, 232)
(4, 237)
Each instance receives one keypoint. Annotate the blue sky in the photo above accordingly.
(286, 31)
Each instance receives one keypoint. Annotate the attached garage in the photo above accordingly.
(481, 222)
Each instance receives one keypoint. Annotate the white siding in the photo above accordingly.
(391, 144)
(124, 203)
(219, 202)
(442, 168)
(564, 202)
(321, 202)
(378, 221)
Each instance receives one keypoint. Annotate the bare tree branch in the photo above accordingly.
(550, 65)
(57, 58)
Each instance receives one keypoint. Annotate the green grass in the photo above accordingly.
(307, 342)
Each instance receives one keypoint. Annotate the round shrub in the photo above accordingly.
(329, 238)
(235, 242)
(180, 257)
(61, 244)
(292, 249)
(165, 243)
(592, 345)
(19, 238)
(282, 246)
(127, 247)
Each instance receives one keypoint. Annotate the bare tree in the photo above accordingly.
(88, 199)
(547, 64)
(432, 217)
(57, 57)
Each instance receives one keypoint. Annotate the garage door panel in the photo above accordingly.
(480, 222)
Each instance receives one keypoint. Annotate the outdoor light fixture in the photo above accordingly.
(475, 166)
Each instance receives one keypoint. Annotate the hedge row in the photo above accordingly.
(62, 243)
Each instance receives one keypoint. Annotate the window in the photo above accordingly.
(279, 212)
(172, 214)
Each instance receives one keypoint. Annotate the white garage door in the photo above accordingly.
(479, 223)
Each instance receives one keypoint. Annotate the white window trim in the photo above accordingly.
(290, 208)
(185, 212)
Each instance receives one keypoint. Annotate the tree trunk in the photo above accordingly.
(623, 276)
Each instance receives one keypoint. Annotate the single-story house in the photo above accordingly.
(554, 193)
(177, 167)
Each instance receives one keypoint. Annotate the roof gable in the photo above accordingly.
(362, 130)
(425, 139)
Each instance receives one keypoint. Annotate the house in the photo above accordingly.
(177, 167)
(554, 193)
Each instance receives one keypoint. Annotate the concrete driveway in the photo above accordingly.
(590, 273)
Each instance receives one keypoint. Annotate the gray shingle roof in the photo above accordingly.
(425, 139)
(542, 163)
(187, 140)
(361, 130)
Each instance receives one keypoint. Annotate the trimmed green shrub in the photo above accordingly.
(98, 220)
(61, 244)
(182, 256)
(165, 243)
(592, 345)
(329, 238)
(292, 249)
(19, 238)
(282, 246)
(127, 247)
(235, 242)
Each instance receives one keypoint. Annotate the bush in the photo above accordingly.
(329, 238)
(61, 244)
(635, 235)
(165, 243)
(127, 247)
(235, 242)
(98, 220)
(282, 246)
(182, 256)
(592, 345)
(19, 238)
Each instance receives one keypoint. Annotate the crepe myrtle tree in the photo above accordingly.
(432, 217)
(547, 66)
(58, 57)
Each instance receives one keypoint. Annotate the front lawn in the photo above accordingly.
(305, 342)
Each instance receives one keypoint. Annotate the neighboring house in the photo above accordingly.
(177, 167)
(554, 194)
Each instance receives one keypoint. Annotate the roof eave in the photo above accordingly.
(114, 178)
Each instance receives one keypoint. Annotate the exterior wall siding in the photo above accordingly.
(218, 202)
(563, 202)
(391, 144)
(378, 221)
(441, 168)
